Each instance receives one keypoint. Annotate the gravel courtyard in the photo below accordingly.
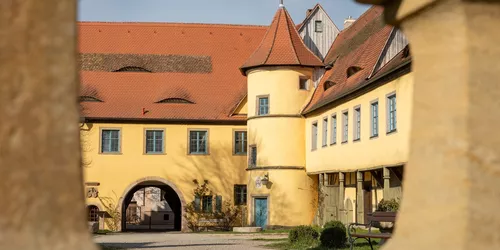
(154, 241)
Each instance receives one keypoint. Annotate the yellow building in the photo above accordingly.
(166, 104)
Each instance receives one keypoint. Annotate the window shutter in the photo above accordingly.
(197, 203)
(218, 203)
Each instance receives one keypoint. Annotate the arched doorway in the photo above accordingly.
(151, 204)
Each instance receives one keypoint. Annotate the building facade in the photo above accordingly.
(295, 135)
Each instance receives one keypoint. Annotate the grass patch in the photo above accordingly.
(273, 231)
(103, 231)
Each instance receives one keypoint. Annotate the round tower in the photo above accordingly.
(279, 75)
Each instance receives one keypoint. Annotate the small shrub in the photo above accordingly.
(333, 223)
(303, 235)
(388, 206)
(333, 235)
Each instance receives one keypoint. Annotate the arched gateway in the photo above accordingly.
(170, 201)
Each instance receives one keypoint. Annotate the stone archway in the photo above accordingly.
(169, 187)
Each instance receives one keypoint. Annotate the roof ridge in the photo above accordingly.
(287, 16)
(274, 38)
(175, 24)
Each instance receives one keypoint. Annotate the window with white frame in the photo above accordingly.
(374, 119)
(333, 136)
(314, 136)
(110, 141)
(324, 135)
(154, 141)
(253, 156)
(240, 142)
(391, 113)
(357, 123)
(318, 26)
(198, 142)
(345, 126)
(263, 106)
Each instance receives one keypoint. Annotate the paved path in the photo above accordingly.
(157, 241)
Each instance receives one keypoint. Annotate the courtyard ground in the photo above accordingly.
(174, 240)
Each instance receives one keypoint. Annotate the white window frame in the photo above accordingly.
(374, 118)
(146, 141)
(345, 126)
(197, 152)
(324, 134)
(101, 146)
(391, 106)
(334, 126)
(320, 30)
(356, 136)
(314, 135)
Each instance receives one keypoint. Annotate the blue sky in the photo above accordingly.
(210, 11)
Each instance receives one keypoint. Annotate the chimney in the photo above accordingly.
(308, 12)
(348, 21)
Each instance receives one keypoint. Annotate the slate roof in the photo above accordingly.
(282, 46)
(195, 62)
(360, 45)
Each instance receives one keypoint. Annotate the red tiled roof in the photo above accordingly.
(282, 45)
(215, 90)
(360, 45)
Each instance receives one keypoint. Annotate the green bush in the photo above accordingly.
(333, 235)
(388, 205)
(333, 223)
(303, 235)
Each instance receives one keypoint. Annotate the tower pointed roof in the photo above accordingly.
(282, 46)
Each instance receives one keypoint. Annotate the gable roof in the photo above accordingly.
(214, 87)
(311, 14)
(360, 45)
(282, 46)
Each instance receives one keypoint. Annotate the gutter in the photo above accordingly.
(368, 82)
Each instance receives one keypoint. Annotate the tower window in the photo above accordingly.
(263, 105)
(318, 26)
(240, 194)
(93, 213)
(240, 142)
(253, 156)
(304, 84)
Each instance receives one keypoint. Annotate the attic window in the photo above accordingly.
(132, 69)
(318, 26)
(175, 100)
(89, 99)
(328, 84)
(352, 70)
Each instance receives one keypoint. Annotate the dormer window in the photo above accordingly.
(132, 69)
(328, 84)
(89, 99)
(175, 100)
(318, 26)
(352, 70)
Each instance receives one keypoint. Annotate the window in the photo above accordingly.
(92, 212)
(345, 126)
(198, 142)
(350, 179)
(374, 119)
(314, 136)
(154, 141)
(318, 26)
(327, 85)
(263, 106)
(333, 136)
(333, 179)
(357, 123)
(325, 132)
(110, 141)
(240, 142)
(206, 203)
(253, 156)
(240, 194)
(391, 116)
(218, 203)
(352, 70)
(166, 217)
(303, 84)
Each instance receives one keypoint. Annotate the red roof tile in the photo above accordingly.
(214, 91)
(360, 45)
(282, 46)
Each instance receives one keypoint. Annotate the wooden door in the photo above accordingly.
(368, 205)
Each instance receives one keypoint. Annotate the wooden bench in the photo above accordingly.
(374, 219)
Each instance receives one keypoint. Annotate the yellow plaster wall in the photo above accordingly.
(291, 196)
(116, 172)
(386, 149)
(242, 108)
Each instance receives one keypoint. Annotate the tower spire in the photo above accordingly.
(281, 4)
